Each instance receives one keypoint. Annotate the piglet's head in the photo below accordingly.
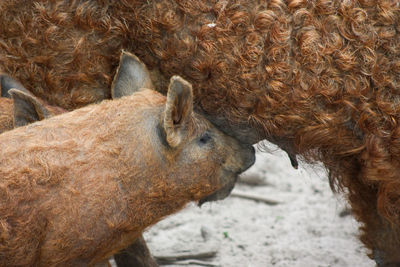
(19, 107)
(194, 153)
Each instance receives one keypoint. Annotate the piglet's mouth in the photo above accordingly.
(221, 193)
(231, 177)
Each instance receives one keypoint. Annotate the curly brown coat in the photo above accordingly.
(25, 108)
(80, 186)
(319, 78)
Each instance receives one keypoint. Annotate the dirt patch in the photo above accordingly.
(304, 229)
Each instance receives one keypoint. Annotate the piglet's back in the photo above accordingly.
(45, 151)
(81, 125)
(6, 122)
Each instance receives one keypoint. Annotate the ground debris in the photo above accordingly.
(173, 257)
(244, 195)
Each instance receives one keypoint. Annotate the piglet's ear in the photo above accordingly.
(7, 83)
(131, 76)
(178, 110)
(27, 108)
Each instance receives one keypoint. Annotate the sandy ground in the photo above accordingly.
(305, 229)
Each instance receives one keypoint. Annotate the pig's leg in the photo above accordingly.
(137, 255)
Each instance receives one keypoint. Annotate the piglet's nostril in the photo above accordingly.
(249, 157)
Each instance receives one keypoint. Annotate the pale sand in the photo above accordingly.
(305, 230)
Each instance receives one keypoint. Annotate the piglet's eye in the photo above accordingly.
(205, 138)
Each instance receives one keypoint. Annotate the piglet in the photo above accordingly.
(78, 187)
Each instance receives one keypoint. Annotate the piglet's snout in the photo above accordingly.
(241, 158)
(248, 155)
